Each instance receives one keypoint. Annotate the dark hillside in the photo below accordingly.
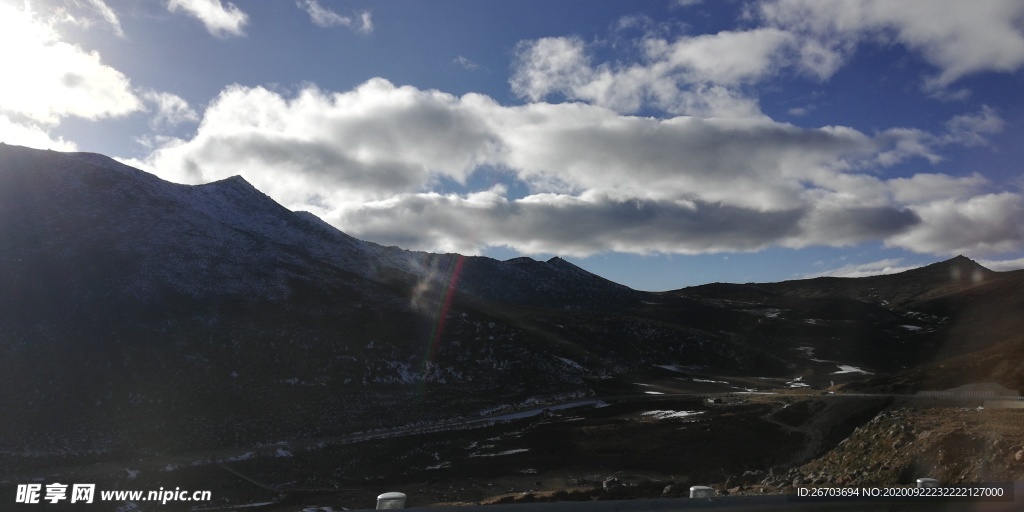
(143, 318)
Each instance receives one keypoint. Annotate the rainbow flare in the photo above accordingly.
(453, 272)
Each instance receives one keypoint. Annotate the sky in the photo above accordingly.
(659, 144)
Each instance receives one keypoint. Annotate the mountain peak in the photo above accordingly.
(560, 263)
(236, 186)
(236, 181)
(958, 266)
(566, 267)
(960, 259)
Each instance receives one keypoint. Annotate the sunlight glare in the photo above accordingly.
(54, 79)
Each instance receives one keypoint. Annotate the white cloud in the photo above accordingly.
(466, 63)
(322, 16)
(874, 268)
(970, 129)
(31, 135)
(980, 225)
(961, 130)
(752, 163)
(549, 65)
(820, 59)
(907, 143)
(958, 38)
(108, 15)
(325, 17)
(370, 161)
(219, 20)
(367, 22)
(726, 58)
(55, 79)
(634, 22)
(565, 224)
(698, 75)
(171, 110)
(710, 75)
(1003, 265)
(366, 144)
(924, 188)
(799, 111)
(83, 13)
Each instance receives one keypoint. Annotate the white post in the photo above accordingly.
(390, 500)
(701, 491)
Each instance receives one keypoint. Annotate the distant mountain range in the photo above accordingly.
(140, 317)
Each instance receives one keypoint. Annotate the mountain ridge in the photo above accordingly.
(237, 186)
(143, 316)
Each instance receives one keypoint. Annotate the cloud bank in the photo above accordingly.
(957, 38)
(370, 161)
(710, 75)
(576, 169)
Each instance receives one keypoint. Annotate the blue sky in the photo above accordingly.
(660, 144)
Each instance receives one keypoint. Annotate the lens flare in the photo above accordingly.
(452, 273)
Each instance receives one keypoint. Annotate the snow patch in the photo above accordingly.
(535, 412)
(843, 368)
(506, 452)
(244, 456)
(670, 367)
(711, 381)
(664, 415)
(572, 364)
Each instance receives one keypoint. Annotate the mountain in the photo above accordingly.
(134, 307)
(961, 322)
(142, 317)
(903, 289)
